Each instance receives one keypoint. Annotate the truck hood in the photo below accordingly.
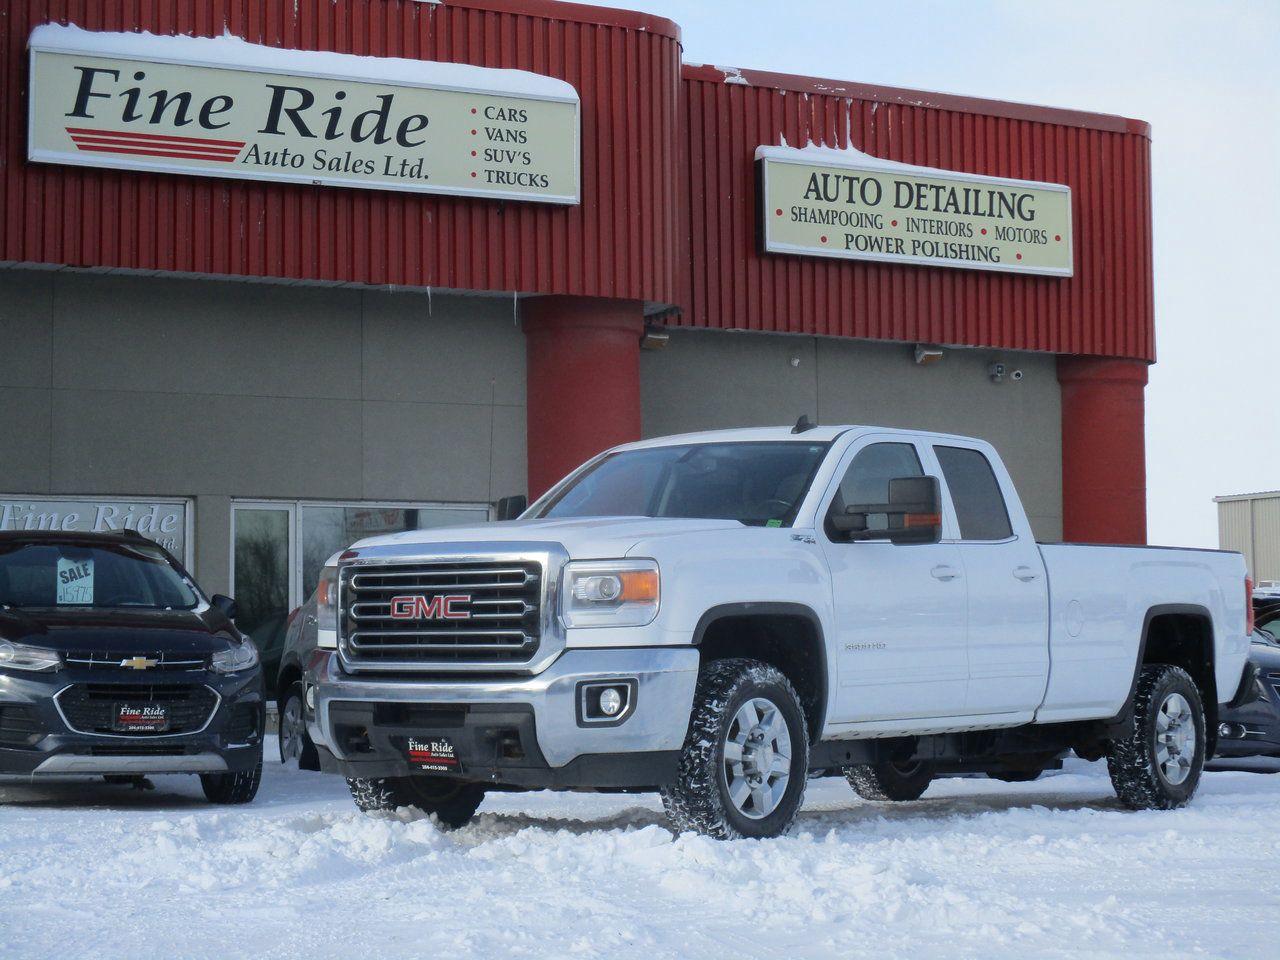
(591, 538)
(118, 630)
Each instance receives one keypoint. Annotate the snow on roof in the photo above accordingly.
(233, 52)
(820, 155)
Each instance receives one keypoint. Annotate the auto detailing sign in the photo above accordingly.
(226, 108)
(834, 203)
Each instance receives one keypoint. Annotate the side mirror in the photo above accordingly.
(913, 514)
(509, 508)
(225, 604)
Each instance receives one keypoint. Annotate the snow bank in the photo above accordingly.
(976, 869)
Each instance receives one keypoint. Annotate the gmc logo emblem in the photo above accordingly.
(440, 607)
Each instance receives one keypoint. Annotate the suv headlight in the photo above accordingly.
(19, 656)
(327, 609)
(239, 656)
(610, 593)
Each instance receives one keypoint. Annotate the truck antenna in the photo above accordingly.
(803, 424)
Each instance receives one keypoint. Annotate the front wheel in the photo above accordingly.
(453, 802)
(233, 788)
(890, 781)
(295, 742)
(1158, 766)
(744, 762)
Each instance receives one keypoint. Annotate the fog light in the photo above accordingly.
(610, 701)
(1231, 731)
(311, 698)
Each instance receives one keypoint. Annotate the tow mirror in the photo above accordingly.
(225, 604)
(509, 508)
(912, 515)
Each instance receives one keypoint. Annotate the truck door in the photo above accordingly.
(1008, 593)
(899, 608)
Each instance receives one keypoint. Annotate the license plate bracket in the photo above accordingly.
(140, 718)
(432, 754)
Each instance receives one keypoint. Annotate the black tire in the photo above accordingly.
(1015, 776)
(699, 800)
(1145, 778)
(233, 787)
(453, 802)
(305, 754)
(890, 781)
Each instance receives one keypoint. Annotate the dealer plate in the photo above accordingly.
(432, 755)
(140, 718)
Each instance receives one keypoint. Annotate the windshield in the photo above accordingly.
(759, 484)
(74, 575)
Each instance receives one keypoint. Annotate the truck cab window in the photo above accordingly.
(868, 476)
(975, 492)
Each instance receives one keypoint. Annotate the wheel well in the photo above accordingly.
(1184, 639)
(790, 640)
(288, 677)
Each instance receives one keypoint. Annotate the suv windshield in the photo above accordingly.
(759, 484)
(134, 575)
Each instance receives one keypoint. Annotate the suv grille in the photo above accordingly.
(493, 617)
(101, 660)
(90, 707)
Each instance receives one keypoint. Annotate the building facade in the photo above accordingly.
(1250, 524)
(259, 364)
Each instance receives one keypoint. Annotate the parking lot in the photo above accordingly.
(976, 869)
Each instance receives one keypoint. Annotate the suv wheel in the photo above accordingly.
(295, 742)
(453, 802)
(890, 781)
(746, 758)
(233, 787)
(1158, 766)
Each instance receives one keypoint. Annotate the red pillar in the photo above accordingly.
(583, 381)
(1104, 474)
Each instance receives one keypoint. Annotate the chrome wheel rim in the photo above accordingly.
(291, 730)
(1175, 739)
(757, 758)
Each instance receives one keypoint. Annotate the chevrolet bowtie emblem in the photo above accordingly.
(139, 663)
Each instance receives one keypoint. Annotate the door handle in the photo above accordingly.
(944, 572)
(1025, 574)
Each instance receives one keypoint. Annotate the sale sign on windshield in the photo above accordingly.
(226, 108)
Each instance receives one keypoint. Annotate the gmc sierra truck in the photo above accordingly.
(720, 616)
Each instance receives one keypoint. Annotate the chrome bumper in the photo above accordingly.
(665, 680)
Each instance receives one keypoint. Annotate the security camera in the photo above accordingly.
(996, 372)
(1016, 375)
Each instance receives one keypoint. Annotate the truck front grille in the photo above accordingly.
(420, 615)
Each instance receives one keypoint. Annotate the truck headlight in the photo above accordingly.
(327, 609)
(610, 593)
(237, 657)
(19, 656)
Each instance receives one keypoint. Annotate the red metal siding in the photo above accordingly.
(621, 242)
(1105, 309)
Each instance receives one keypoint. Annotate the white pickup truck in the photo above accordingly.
(721, 616)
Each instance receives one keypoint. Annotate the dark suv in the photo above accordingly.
(113, 662)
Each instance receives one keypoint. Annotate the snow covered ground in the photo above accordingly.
(976, 869)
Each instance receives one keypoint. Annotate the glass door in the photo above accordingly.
(263, 560)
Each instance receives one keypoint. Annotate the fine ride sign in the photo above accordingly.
(222, 107)
(841, 203)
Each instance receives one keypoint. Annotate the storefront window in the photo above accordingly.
(279, 549)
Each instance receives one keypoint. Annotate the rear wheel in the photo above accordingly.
(1158, 766)
(453, 802)
(890, 781)
(233, 787)
(744, 762)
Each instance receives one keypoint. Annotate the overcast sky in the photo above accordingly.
(1207, 78)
